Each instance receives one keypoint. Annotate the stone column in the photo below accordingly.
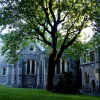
(19, 68)
(9, 73)
(19, 77)
(39, 73)
(37, 69)
(13, 77)
(81, 60)
(43, 71)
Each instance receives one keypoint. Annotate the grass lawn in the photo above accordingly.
(8, 93)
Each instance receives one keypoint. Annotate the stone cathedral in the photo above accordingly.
(30, 71)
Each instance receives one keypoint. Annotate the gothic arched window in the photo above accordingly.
(28, 67)
(92, 56)
(33, 67)
(60, 67)
(86, 78)
(4, 71)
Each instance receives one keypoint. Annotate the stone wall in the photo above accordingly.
(56, 79)
(90, 68)
(9, 76)
(3, 80)
(3, 77)
(29, 80)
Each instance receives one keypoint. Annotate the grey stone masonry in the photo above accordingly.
(3, 77)
(9, 75)
(31, 69)
(91, 68)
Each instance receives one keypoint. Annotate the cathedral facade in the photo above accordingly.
(30, 71)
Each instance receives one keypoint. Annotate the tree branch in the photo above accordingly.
(68, 33)
(63, 18)
(47, 16)
(43, 37)
(67, 13)
(58, 20)
(69, 43)
(46, 42)
(63, 47)
(38, 31)
(43, 25)
(51, 11)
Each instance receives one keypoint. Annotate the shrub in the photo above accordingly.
(65, 84)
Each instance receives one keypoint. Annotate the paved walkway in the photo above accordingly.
(92, 93)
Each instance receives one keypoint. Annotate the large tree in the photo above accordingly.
(56, 23)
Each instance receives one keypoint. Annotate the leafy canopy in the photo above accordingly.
(44, 21)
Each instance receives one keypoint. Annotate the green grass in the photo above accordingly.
(8, 93)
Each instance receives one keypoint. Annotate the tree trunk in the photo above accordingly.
(50, 74)
(51, 66)
(50, 71)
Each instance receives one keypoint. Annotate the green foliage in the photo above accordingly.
(76, 49)
(38, 21)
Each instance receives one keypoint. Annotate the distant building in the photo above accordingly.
(90, 70)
